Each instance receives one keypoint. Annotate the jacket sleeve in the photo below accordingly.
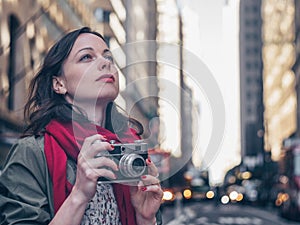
(24, 185)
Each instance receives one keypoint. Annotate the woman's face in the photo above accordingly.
(89, 72)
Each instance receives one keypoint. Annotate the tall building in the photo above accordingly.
(251, 82)
(176, 97)
(296, 66)
(28, 28)
(280, 65)
(140, 70)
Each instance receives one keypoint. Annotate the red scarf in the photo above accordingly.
(64, 140)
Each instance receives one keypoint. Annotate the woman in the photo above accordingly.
(51, 174)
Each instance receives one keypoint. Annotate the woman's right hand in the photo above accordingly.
(90, 167)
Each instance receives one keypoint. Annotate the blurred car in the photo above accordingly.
(201, 190)
(199, 186)
(171, 194)
(233, 194)
(288, 196)
(168, 196)
(252, 189)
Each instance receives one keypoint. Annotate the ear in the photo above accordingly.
(58, 85)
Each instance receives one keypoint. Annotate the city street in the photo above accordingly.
(207, 213)
(205, 95)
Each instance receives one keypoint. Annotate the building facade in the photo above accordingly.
(280, 63)
(251, 82)
(268, 68)
(141, 67)
(29, 27)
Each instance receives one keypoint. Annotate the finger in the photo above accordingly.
(101, 149)
(92, 170)
(148, 180)
(94, 138)
(89, 141)
(96, 147)
(103, 162)
(133, 187)
(138, 186)
(156, 189)
(133, 183)
(102, 172)
(152, 169)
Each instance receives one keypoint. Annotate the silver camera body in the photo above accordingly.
(131, 161)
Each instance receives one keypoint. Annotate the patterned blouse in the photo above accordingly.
(102, 209)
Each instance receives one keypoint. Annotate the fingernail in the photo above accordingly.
(149, 160)
(144, 188)
(144, 177)
(113, 147)
(103, 137)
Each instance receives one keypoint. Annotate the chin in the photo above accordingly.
(108, 97)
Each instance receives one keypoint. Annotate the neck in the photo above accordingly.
(97, 115)
(95, 112)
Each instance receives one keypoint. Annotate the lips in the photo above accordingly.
(106, 78)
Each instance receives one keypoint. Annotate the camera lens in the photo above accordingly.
(138, 165)
(132, 165)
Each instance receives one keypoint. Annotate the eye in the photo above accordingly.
(85, 57)
(109, 57)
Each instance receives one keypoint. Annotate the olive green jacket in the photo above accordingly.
(26, 187)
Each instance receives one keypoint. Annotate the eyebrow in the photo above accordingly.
(106, 50)
(90, 48)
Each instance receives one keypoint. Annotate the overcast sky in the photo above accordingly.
(211, 32)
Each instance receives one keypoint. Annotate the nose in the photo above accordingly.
(104, 63)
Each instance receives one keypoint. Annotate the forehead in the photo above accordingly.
(88, 40)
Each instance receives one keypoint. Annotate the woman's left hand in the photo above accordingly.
(146, 197)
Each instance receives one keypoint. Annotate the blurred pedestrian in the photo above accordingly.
(51, 174)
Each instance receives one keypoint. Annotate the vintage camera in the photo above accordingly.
(131, 161)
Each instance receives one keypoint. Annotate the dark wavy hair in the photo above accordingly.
(44, 104)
